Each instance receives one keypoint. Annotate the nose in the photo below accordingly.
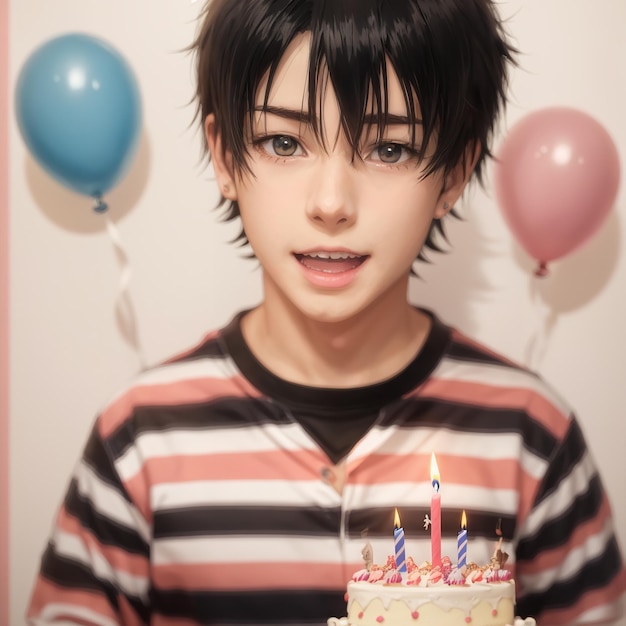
(331, 202)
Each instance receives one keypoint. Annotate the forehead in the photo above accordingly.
(290, 84)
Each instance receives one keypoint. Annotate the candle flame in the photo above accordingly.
(464, 521)
(434, 471)
(396, 519)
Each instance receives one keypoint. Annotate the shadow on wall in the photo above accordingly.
(74, 212)
(572, 282)
(578, 278)
(454, 279)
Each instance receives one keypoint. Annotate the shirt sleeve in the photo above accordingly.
(569, 567)
(95, 569)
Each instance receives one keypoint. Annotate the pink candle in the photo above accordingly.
(435, 514)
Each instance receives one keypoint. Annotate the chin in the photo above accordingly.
(330, 314)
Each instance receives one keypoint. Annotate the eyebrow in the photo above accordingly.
(303, 117)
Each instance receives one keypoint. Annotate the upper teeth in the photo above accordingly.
(333, 255)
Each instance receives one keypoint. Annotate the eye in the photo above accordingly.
(391, 153)
(282, 146)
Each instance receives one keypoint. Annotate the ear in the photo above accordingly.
(221, 159)
(455, 182)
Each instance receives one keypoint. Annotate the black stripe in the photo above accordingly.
(70, 574)
(97, 458)
(568, 455)
(106, 530)
(594, 574)
(266, 606)
(378, 521)
(319, 522)
(223, 412)
(558, 531)
(238, 520)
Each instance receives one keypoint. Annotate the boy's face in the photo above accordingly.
(336, 236)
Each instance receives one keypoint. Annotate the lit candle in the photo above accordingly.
(398, 541)
(435, 513)
(461, 544)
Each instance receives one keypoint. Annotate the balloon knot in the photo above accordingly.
(100, 206)
(542, 269)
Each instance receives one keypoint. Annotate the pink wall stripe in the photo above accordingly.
(4, 313)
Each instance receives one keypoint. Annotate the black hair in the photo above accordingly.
(450, 57)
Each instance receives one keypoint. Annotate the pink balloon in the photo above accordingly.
(556, 178)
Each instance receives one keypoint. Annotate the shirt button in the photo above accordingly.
(327, 475)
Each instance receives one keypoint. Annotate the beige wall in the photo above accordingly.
(70, 351)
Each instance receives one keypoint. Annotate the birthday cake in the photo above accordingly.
(402, 593)
(446, 596)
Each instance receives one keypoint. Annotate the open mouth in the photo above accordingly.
(331, 262)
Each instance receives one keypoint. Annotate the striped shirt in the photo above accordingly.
(201, 499)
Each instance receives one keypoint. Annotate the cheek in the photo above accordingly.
(403, 230)
(268, 191)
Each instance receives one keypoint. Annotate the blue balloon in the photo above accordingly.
(78, 109)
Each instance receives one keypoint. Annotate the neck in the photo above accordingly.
(367, 348)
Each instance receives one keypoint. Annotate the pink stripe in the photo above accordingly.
(253, 575)
(4, 313)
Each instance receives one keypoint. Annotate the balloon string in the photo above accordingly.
(538, 344)
(124, 306)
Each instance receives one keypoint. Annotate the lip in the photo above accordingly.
(329, 250)
(330, 268)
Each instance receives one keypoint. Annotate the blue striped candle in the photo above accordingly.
(398, 542)
(461, 544)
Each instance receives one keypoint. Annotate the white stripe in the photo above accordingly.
(51, 611)
(395, 440)
(499, 376)
(73, 547)
(419, 494)
(574, 484)
(576, 559)
(238, 549)
(243, 493)
(245, 550)
(108, 502)
(167, 496)
(187, 443)
(267, 437)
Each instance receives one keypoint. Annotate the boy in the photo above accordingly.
(234, 484)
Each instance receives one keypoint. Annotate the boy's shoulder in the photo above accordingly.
(198, 375)
(472, 372)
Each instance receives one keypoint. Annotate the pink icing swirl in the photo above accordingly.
(425, 574)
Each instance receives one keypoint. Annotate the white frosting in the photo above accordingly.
(398, 604)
